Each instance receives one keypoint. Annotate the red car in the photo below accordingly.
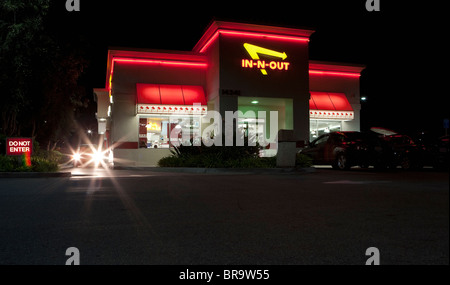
(346, 149)
(405, 152)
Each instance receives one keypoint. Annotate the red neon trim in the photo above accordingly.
(162, 62)
(153, 61)
(209, 42)
(251, 34)
(264, 35)
(334, 73)
(110, 78)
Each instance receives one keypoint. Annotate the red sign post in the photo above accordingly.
(20, 146)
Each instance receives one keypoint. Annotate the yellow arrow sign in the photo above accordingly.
(253, 51)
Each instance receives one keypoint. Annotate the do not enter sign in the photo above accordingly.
(19, 146)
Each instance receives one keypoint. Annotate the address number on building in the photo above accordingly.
(231, 92)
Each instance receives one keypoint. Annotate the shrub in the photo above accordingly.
(218, 152)
(50, 155)
(45, 160)
(12, 163)
(214, 156)
(224, 157)
(16, 164)
(41, 160)
(217, 157)
(169, 161)
(40, 164)
(6, 163)
(302, 160)
(257, 162)
(211, 161)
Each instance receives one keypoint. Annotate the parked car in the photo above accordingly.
(440, 153)
(88, 155)
(405, 152)
(346, 149)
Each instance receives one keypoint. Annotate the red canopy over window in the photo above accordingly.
(170, 94)
(148, 93)
(193, 94)
(329, 101)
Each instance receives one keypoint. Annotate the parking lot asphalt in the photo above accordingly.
(148, 217)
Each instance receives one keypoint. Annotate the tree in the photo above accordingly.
(39, 73)
(61, 95)
(20, 26)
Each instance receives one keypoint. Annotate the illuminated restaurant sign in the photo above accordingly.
(256, 62)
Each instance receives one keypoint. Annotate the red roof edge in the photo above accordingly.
(336, 66)
(233, 26)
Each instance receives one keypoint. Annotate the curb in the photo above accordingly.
(221, 170)
(34, 174)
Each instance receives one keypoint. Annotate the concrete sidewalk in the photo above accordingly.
(34, 174)
(66, 171)
(220, 170)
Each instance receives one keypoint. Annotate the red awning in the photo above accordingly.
(170, 94)
(329, 101)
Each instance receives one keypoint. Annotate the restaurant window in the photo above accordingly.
(165, 131)
(251, 128)
(320, 127)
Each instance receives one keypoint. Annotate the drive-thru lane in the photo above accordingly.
(149, 217)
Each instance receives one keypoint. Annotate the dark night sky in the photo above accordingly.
(402, 45)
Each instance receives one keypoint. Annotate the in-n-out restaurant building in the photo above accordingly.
(233, 67)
